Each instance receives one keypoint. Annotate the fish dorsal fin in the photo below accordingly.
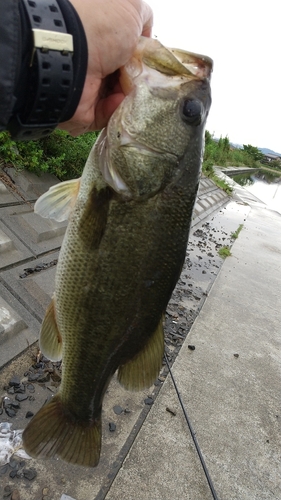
(141, 371)
(58, 201)
(50, 342)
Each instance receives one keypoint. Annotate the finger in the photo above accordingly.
(147, 19)
(105, 108)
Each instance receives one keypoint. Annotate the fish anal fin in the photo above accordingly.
(50, 338)
(141, 371)
(58, 202)
(53, 432)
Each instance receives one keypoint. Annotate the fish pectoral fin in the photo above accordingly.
(141, 371)
(54, 432)
(50, 341)
(57, 203)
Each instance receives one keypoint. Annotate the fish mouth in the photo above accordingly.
(171, 62)
(197, 64)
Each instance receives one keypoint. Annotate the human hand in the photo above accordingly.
(112, 29)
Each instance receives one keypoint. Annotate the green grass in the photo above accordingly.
(235, 235)
(224, 252)
(222, 184)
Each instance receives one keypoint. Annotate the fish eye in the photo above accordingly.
(192, 112)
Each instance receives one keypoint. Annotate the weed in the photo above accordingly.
(222, 184)
(235, 235)
(224, 252)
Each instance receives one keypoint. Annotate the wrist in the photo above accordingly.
(52, 74)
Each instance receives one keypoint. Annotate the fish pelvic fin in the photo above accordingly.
(57, 203)
(50, 341)
(53, 432)
(141, 371)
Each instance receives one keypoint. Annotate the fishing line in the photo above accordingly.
(210, 483)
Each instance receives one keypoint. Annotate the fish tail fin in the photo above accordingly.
(52, 432)
(143, 369)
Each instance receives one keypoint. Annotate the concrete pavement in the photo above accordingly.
(230, 385)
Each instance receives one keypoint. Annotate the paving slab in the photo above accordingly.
(6, 243)
(33, 283)
(205, 203)
(7, 197)
(38, 235)
(12, 250)
(230, 385)
(209, 199)
(205, 185)
(29, 185)
(18, 328)
(198, 208)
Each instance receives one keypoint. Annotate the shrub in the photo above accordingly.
(59, 154)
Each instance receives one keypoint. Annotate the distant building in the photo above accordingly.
(268, 158)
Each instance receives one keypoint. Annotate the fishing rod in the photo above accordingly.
(210, 483)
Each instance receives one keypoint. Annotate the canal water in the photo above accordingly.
(264, 185)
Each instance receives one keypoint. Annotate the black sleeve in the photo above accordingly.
(20, 85)
(10, 49)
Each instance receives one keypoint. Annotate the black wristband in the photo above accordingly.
(57, 58)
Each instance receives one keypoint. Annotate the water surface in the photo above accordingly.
(264, 185)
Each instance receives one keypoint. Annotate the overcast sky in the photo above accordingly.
(244, 40)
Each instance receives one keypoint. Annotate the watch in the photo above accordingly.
(56, 74)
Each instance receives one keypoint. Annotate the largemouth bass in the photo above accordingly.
(124, 247)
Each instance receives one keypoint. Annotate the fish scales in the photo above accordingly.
(125, 274)
(125, 244)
